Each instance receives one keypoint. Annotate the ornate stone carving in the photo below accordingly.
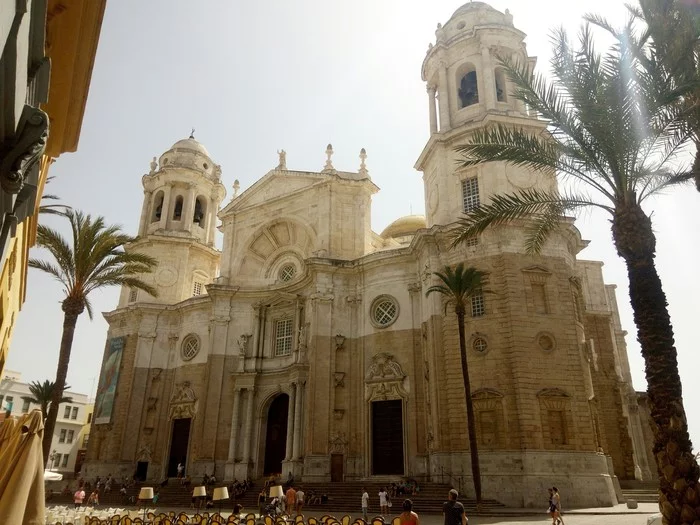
(338, 443)
(338, 413)
(145, 453)
(183, 403)
(283, 160)
(21, 156)
(385, 379)
(339, 378)
(243, 341)
(302, 338)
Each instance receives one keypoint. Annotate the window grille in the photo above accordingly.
(384, 312)
(287, 272)
(133, 294)
(478, 305)
(190, 347)
(470, 194)
(196, 289)
(480, 345)
(283, 337)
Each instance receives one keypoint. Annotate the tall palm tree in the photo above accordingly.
(94, 258)
(52, 209)
(42, 394)
(458, 287)
(613, 138)
(668, 48)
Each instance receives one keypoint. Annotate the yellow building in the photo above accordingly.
(48, 52)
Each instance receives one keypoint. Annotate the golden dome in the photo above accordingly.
(407, 225)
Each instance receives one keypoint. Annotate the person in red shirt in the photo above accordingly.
(291, 500)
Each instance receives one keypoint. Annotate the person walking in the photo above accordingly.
(261, 501)
(552, 509)
(291, 499)
(384, 510)
(556, 499)
(180, 470)
(300, 501)
(453, 510)
(78, 497)
(365, 503)
(408, 517)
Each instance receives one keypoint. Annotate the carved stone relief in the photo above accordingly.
(338, 443)
(385, 379)
(183, 403)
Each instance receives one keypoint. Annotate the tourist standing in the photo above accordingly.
(94, 499)
(300, 501)
(365, 503)
(180, 470)
(291, 499)
(261, 501)
(453, 510)
(384, 510)
(78, 497)
(408, 517)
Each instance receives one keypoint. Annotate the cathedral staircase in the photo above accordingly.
(640, 491)
(343, 498)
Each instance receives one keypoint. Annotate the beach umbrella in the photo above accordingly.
(22, 473)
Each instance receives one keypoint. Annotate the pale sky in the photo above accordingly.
(255, 77)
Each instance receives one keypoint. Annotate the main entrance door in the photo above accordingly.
(178, 445)
(387, 437)
(276, 438)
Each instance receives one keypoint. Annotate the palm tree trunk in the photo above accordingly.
(679, 499)
(70, 318)
(471, 428)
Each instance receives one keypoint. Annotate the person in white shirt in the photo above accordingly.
(365, 503)
(383, 502)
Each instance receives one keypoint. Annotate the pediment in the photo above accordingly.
(278, 299)
(537, 269)
(275, 185)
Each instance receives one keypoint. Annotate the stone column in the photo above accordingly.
(432, 110)
(234, 425)
(489, 81)
(214, 206)
(296, 451)
(188, 208)
(444, 98)
(165, 209)
(145, 209)
(248, 429)
(290, 422)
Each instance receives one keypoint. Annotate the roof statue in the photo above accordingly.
(329, 164)
(283, 160)
(363, 166)
(154, 166)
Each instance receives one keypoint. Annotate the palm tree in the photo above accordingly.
(94, 258)
(459, 286)
(668, 48)
(614, 139)
(42, 394)
(52, 209)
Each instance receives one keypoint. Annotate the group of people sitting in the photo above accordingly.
(405, 487)
(237, 489)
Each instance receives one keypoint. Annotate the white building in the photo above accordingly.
(71, 418)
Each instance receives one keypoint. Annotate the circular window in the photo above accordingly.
(480, 345)
(165, 160)
(384, 311)
(206, 166)
(461, 25)
(287, 272)
(546, 342)
(190, 347)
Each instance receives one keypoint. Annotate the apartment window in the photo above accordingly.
(196, 289)
(62, 436)
(69, 437)
(66, 412)
(470, 194)
(56, 460)
(89, 419)
(86, 438)
(25, 406)
(9, 403)
(478, 305)
(74, 415)
(64, 464)
(283, 337)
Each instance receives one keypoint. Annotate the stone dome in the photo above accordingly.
(190, 144)
(472, 6)
(190, 154)
(402, 226)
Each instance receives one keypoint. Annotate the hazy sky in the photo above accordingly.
(255, 77)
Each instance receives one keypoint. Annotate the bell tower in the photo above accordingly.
(468, 90)
(182, 197)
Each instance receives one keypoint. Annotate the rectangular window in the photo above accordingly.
(133, 294)
(283, 337)
(25, 406)
(196, 289)
(66, 412)
(470, 194)
(488, 427)
(89, 419)
(86, 438)
(478, 305)
(74, 415)
(539, 297)
(62, 437)
(56, 460)
(557, 427)
(64, 464)
(9, 403)
(472, 241)
(69, 437)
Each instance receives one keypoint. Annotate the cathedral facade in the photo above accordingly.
(307, 345)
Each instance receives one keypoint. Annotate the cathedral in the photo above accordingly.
(307, 344)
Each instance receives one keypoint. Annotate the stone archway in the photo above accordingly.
(276, 434)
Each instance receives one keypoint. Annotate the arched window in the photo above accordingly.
(157, 207)
(501, 93)
(177, 212)
(468, 89)
(200, 208)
